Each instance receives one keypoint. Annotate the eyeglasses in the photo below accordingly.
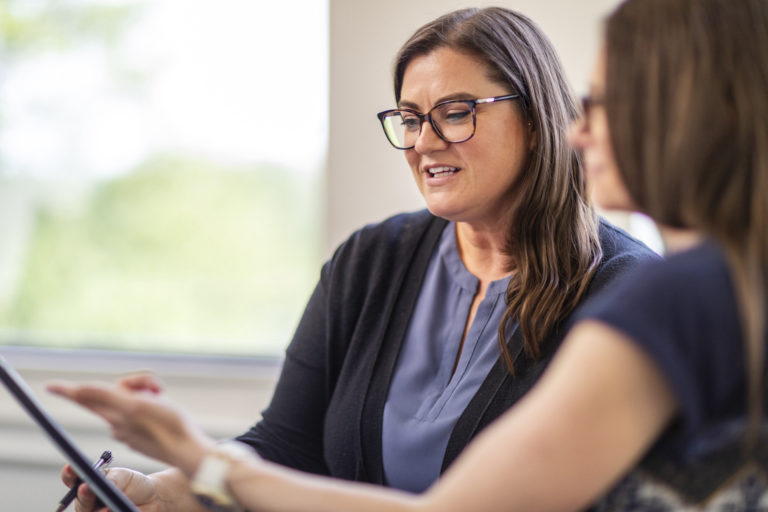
(454, 121)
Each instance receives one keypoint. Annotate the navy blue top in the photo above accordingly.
(426, 396)
(683, 313)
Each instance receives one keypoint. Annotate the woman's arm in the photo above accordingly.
(597, 409)
(290, 431)
(595, 412)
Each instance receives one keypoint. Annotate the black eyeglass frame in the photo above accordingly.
(428, 117)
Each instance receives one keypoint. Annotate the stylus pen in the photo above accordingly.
(68, 498)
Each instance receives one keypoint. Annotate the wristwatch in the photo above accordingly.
(209, 483)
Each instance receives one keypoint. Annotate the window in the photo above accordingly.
(160, 169)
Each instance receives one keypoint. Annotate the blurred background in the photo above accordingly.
(173, 173)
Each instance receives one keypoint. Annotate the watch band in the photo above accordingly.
(209, 483)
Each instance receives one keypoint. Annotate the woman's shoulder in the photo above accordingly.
(402, 228)
(618, 244)
(701, 269)
(621, 253)
(682, 312)
(392, 242)
(393, 227)
(686, 285)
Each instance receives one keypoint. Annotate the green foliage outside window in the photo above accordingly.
(197, 256)
(179, 253)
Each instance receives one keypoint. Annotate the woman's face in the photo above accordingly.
(471, 181)
(590, 134)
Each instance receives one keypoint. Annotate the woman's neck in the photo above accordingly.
(483, 251)
(676, 239)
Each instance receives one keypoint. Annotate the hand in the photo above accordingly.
(142, 418)
(139, 488)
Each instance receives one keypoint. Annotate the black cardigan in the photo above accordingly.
(326, 413)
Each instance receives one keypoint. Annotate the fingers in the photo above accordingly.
(106, 395)
(86, 500)
(95, 397)
(87, 395)
(68, 475)
(61, 388)
(142, 382)
(84, 394)
(109, 402)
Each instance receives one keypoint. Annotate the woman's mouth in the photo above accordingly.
(441, 171)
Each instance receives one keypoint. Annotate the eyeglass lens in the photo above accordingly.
(453, 121)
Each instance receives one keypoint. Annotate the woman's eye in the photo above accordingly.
(411, 123)
(458, 116)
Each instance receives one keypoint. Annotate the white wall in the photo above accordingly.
(367, 179)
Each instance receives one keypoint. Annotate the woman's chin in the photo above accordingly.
(607, 189)
(612, 202)
(441, 209)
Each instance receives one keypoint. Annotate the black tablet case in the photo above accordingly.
(110, 495)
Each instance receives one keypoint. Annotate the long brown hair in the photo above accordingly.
(687, 104)
(553, 241)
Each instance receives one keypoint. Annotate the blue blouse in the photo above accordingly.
(425, 398)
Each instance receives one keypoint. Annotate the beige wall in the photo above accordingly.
(367, 180)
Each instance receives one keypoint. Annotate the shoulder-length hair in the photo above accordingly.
(687, 104)
(553, 241)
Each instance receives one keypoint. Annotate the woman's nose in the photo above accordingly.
(578, 135)
(428, 139)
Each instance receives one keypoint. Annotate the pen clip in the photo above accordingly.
(104, 461)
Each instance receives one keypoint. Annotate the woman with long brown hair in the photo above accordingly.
(395, 366)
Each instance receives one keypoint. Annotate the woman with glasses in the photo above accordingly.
(425, 328)
(657, 399)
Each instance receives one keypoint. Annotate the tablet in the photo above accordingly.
(109, 494)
